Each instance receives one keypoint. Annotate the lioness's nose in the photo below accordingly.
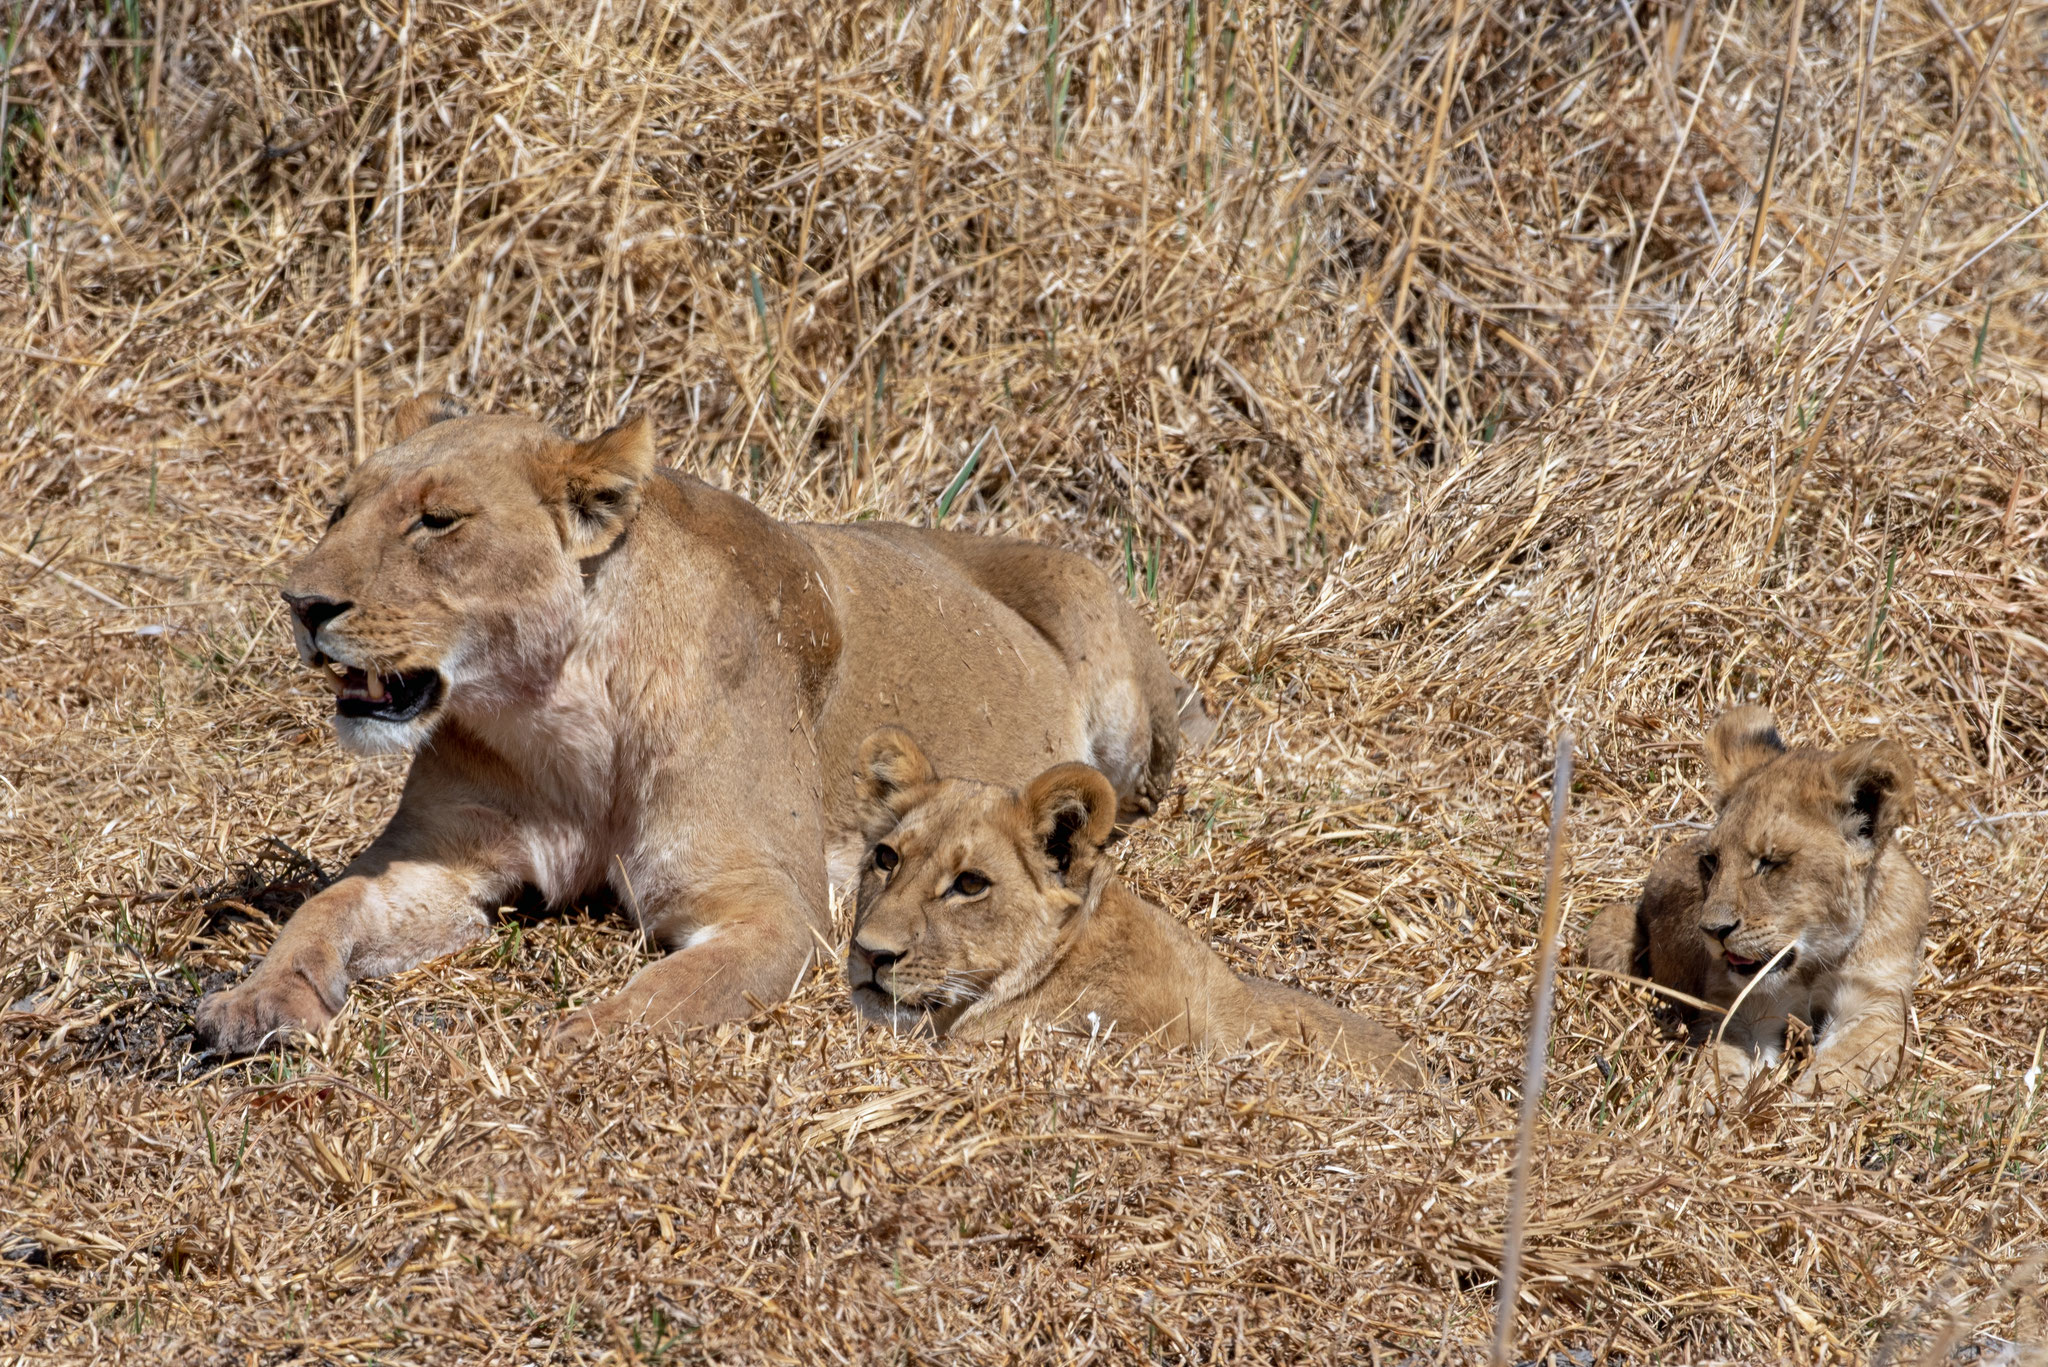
(1720, 930)
(314, 611)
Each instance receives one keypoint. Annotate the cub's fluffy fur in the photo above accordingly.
(1801, 881)
(980, 907)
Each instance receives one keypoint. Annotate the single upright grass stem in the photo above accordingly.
(1532, 1064)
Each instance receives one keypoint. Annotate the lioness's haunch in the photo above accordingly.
(1800, 880)
(980, 907)
(610, 673)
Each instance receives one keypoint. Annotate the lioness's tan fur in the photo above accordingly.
(1804, 855)
(1043, 929)
(647, 682)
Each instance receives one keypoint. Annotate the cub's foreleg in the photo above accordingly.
(1864, 1039)
(1862, 1045)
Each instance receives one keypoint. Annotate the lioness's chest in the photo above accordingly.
(565, 785)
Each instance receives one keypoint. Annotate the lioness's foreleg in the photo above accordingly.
(383, 915)
(745, 943)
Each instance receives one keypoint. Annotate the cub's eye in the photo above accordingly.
(969, 884)
(336, 515)
(1765, 864)
(885, 859)
(436, 521)
(1710, 864)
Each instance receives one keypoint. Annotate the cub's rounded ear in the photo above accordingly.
(594, 485)
(422, 411)
(1743, 739)
(1072, 810)
(889, 776)
(1875, 780)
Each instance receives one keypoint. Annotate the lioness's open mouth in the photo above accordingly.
(381, 697)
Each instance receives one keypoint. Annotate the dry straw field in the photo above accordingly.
(1438, 374)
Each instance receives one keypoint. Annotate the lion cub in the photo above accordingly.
(979, 908)
(1801, 880)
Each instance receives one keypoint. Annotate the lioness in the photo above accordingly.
(1800, 876)
(980, 907)
(612, 674)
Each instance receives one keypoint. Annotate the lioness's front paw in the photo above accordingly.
(261, 1012)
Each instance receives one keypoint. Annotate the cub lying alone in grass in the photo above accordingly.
(979, 908)
(1803, 861)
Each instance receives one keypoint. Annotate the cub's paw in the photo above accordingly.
(264, 1011)
(1836, 1079)
(574, 1029)
(1735, 1067)
(1404, 1068)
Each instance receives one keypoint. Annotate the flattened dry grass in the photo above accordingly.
(1437, 374)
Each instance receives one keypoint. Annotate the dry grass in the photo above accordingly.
(1399, 352)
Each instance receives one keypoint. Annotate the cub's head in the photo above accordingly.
(967, 889)
(450, 573)
(1791, 862)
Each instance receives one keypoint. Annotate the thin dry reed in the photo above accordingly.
(1288, 313)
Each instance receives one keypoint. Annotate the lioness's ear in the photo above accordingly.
(1742, 739)
(1072, 809)
(594, 485)
(888, 774)
(422, 411)
(1876, 780)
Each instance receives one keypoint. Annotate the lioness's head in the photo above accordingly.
(1792, 859)
(967, 889)
(450, 572)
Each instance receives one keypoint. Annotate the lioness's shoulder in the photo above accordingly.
(781, 578)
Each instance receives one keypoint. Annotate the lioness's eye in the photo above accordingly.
(335, 516)
(438, 521)
(1765, 863)
(885, 859)
(969, 884)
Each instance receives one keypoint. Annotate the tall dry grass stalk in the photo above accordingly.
(1536, 1058)
(1286, 313)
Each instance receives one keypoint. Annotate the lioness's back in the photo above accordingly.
(1043, 620)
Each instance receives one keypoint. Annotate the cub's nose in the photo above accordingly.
(314, 611)
(1721, 930)
(872, 959)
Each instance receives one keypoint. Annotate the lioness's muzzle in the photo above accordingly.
(387, 697)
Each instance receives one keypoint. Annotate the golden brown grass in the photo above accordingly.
(1428, 387)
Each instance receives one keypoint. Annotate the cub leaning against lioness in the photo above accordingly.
(1800, 880)
(609, 673)
(980, 908)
